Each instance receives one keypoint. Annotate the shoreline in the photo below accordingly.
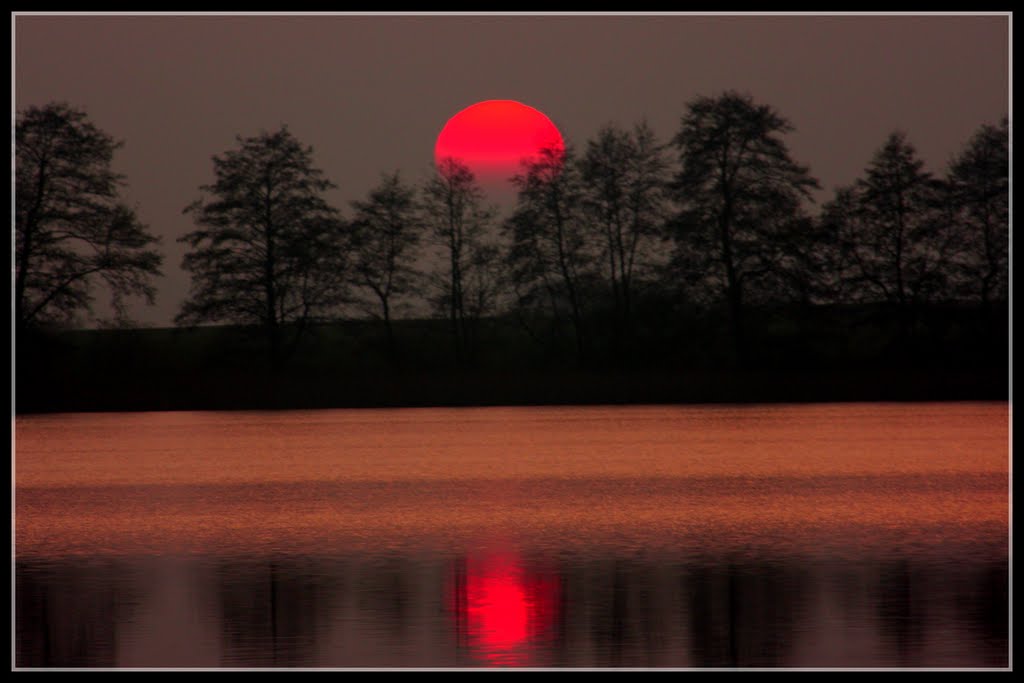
(229, 391)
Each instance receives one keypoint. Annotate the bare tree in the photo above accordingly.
(625, 183)
(455, 213)
(979, 191)
(269, 249)
(385, 233)
(895, 231)
(550, 254)
(71, 230)
(739, 191)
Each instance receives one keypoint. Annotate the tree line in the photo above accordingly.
(715, 218)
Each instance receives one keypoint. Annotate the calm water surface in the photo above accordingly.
(759, 536)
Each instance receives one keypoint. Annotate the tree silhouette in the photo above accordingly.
(550, 254)
(384, 235)
(71, 230)
(895, 232)
(269, 249)
(624, 175)
(738, 191)
(807, 262)
(979, 188)
(458, 219)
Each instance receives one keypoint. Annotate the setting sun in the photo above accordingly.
(493, 137)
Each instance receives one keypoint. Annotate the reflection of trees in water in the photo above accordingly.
(744, 615)
(913, 600)
(273, 612)
(628, 625)
(902, 612)
(618, 612)
(68, 614)
(615, 617)
(631, 613)
(580, 612)
(285, 612)
(982, 602)
(387, 591)
(595, 614)
(850, 588)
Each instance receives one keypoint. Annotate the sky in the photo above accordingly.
(370, 94)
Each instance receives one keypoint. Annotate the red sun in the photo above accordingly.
(494, 137)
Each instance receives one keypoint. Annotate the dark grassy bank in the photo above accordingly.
(797, 355)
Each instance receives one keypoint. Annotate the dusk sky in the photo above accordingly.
(371, 93)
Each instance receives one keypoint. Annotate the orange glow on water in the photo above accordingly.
(493, 137)
(796, 479)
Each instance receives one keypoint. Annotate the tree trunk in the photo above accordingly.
(389, 329)
(269, 287)
(734, 293)
(738, 327)
(577, 318)
(28, 233)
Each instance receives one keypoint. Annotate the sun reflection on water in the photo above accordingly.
(504, 611)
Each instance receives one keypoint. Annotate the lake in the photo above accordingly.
(821, 535)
